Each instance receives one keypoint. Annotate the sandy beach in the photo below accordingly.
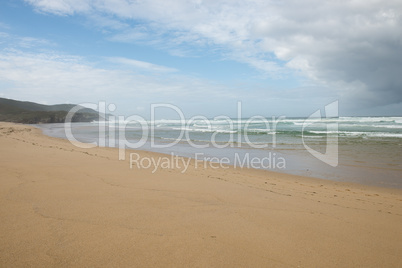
(62, 206)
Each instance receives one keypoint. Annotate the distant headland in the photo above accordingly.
(34, 113)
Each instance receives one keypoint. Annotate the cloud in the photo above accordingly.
(17, 42)
(55, 78)
(142, 65)
(106, 23)
(4, 26)
(353, 47)
(60, 7)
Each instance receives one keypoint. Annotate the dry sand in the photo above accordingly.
(63, 206)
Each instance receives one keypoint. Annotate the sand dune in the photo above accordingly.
(65, 206)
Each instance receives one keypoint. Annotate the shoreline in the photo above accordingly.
(361, 168)
(66, 206)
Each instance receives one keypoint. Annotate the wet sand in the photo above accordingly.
(65, 206)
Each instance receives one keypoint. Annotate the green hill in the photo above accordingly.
(35, 113)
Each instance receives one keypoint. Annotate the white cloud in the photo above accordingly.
(56, 78)
(60, 7)
(332, 42)
(29, 42)
(14, 42)
(4, 26)
(106, 23)
(142, 65)
(351, 49)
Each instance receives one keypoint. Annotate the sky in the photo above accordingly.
(286, 58)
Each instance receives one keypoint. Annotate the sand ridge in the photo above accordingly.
(66, 206)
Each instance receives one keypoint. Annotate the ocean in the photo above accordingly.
(366, 150)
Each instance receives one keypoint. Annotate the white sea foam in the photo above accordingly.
(359, 133)
(348, 126)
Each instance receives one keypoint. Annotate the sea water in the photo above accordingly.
(369, 149)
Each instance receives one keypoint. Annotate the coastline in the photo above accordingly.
(371, 162)
(66, 206)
